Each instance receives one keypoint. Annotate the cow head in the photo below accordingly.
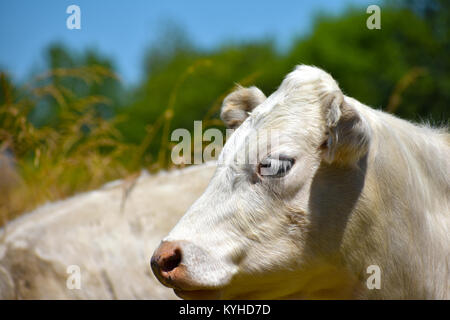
(269, 225)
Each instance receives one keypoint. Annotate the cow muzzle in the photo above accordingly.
(166, 265)
(170, 264)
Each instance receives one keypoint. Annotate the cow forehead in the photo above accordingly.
(236, 142)
(276, 113)
(303, 75)
(277, 133)
(305, 83)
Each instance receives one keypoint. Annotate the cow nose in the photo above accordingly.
(165, 262)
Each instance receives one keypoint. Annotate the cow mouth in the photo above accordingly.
(198, 294)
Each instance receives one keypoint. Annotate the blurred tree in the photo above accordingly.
(402, 68)
(64, 129)
(396, 68)
(86, 74)
(184, 83)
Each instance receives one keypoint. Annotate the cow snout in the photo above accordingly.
(166, 264)
(190, 270)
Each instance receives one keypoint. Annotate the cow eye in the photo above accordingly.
(275, 167)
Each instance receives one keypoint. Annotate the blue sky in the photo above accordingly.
(122, 30)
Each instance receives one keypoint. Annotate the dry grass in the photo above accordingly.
(83, 150)
(51, 162)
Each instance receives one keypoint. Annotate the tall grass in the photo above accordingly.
(81, 150)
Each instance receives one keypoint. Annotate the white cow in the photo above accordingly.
(95, 245)
(351, 202)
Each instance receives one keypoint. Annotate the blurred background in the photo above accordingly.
(79, 108)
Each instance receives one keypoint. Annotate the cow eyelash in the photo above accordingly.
(275, 167)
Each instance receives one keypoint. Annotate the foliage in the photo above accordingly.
(77, 126)
(72, 154)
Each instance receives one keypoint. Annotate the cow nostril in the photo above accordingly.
(171, 262)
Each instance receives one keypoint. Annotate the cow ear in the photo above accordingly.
(238, 104)
(347, 133)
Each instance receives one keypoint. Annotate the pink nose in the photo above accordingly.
(166, 264)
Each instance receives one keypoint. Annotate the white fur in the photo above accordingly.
(109, 237)
(378, 195)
